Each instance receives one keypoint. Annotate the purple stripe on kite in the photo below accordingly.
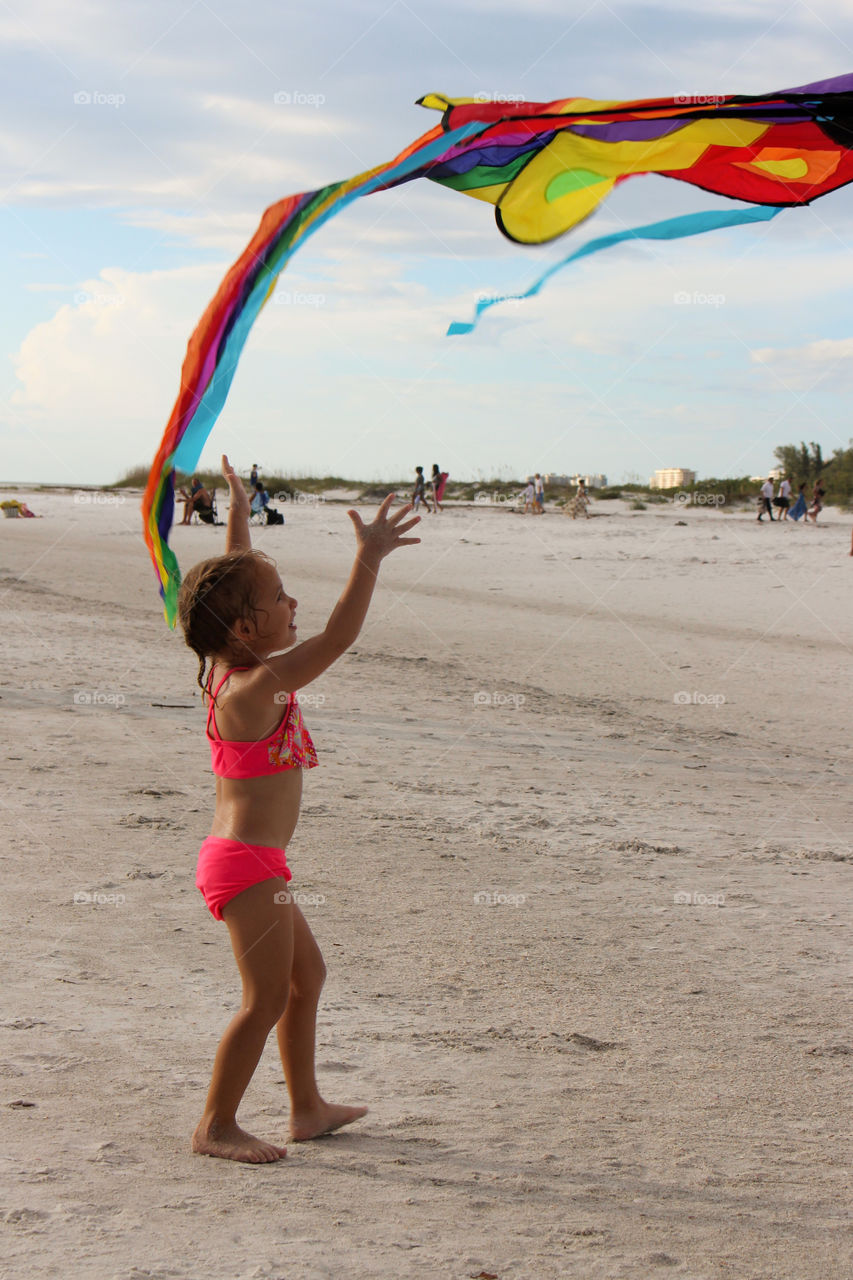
(508, 137)
(226, 324)
(629, 130)
(492, 157)
(796, 113)
(838, 84)
(774, 119)
(206, 372)
(248, 284)
(167, 511)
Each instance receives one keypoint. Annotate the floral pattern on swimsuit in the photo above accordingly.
(291, 747)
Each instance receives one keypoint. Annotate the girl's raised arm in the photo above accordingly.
(237, 536)
(304, 663)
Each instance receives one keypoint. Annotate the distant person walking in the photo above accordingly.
(253, 478)
(437, 481)
(419, 494)
(539, 495)
(783, 501)
(530, 498)
(798, 510)
(765, 500)
(817, 502)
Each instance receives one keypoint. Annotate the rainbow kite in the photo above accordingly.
(545, 167)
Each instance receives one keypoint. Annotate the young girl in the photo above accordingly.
(236, 614)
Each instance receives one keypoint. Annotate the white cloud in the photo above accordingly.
(200, 147)
(293, 112)
(98, 379)
(816, 366)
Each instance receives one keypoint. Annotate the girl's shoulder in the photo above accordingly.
(244, 707)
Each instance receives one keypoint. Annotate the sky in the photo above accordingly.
(141, 142)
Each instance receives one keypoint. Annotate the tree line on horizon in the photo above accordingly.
(806, 464)
(803, 464)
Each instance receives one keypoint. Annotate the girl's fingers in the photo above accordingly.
(398, 515)
(356, 519)
(410, 542)
(410, 524)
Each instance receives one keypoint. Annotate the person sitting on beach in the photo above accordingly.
(197, 499)
(23, 510)
(237, 616)
(261, 506)
(260, 499)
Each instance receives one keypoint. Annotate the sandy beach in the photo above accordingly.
(579, 858)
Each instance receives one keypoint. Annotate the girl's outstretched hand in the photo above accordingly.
(236, 488)
(384, 534)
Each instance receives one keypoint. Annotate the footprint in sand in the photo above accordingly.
(26, 1219)
(24, 1062)
(109, 1153)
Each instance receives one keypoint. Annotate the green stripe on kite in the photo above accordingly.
(486, 175)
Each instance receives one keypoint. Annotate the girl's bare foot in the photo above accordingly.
(323, 1118)
(232, 1143)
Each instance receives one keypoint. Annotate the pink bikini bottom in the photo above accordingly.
(228, 867)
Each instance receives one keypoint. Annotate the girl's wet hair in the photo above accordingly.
(215, 595)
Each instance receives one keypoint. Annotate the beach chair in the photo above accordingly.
(262, 513)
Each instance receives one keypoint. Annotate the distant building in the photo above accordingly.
(590, 481)
(775, 473)
(674, 478)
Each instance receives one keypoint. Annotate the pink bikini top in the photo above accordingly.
(288, 747)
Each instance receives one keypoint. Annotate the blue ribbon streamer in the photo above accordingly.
(689, 224)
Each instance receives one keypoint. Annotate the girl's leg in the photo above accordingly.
(310, 1114)
(261, 930)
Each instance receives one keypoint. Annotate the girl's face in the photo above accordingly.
(277, 622)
